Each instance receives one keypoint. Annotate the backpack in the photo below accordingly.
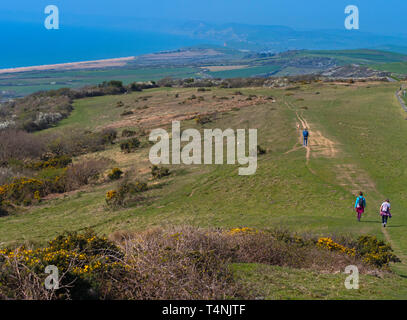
(360, 202)
(305, 133)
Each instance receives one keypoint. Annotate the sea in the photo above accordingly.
(30, 44)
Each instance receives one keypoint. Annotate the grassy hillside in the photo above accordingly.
(362, 56)
(356, 143)
(394, 67)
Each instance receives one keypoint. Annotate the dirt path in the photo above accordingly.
(318, 145)
(398, 96)
(348, 176)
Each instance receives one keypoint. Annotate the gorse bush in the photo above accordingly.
(202, 119)
(128, 133)
(173, 263)
(22, 190)
(261, 150)
(130, 145)
(56, 163)
(159, 172)
(115, 174)
(108, 136)
(375, 251)
(126, 194)
(83, 261)
(26, 190)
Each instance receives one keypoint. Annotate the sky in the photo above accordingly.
(376, 16)
(101, 29)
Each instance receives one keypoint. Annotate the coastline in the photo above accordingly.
(115, 62)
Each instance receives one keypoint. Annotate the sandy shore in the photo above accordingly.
(117, 62)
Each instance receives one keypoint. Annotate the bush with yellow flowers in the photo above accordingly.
(244, 230)
(329, 244)
(81, 259)
(115, 174)
(126, 194)
(55, 163)
(22, 190)
(376, 252)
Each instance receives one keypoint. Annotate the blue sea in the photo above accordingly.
(27, 44)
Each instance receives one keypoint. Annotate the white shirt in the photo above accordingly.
(385, 206)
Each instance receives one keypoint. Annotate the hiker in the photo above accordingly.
(385, 211)
(305, 134)
(360, 205)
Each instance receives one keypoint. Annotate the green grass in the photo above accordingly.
(363, 56)
(395, 67)
(29, 82)
(245, 72)
(367, 127)
(282, 283)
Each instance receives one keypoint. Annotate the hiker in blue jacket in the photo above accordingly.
(360, 205)
(305, 134)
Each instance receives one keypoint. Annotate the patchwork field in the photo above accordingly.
(356, 144)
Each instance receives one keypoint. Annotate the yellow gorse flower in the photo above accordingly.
(329, 244)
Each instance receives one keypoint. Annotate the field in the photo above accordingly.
(228, 63)
(394, 67)
(356, 144)
(29, 82)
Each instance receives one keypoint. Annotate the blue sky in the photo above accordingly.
(378, 16)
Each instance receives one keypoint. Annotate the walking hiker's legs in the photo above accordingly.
(359, 215)
(384, 220)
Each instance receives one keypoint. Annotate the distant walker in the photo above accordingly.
(305, 134)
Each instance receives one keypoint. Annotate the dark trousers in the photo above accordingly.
(305, 141)
(384, 219)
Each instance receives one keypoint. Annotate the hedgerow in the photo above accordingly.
(172, 263)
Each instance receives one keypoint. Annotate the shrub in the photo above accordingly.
(130, 145)
(173, 263)
(115, 174)
(260, 150)
(21, 190)
(7, 174)
(202, 119)
(375, 252)
(126, 113)
(57, 162)
(128, 133)
(83, 172)
(83, 260)
(19, 145)
(126, 194)
(159, 172)
(108, 135)
(329, 244)
(74, 143)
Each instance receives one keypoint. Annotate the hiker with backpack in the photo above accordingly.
(385, 212)
(360, 205)
(305, 134)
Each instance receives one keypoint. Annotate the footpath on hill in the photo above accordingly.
(320, 146)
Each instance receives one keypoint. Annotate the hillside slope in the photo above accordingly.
(352, 148)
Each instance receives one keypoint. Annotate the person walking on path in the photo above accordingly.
(305, 134)
(360, 205)
(385, 212)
